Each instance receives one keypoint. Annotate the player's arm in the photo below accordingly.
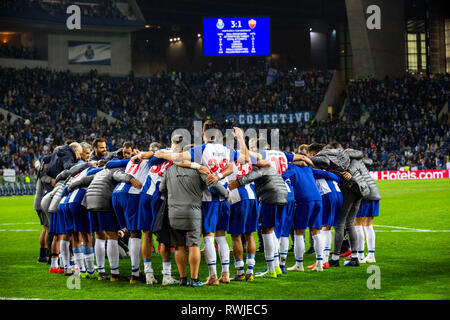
(217, 187)
(320, 161)
(121, 176)
(174, 156)
(298, 157)
(81, 183)
(322, 174)
(354, 154)
(262, 164)
(219, 176)
(63, 175)
(253, 175)
(117, 163)
(47, 179)
(367, 162)
(256, 155)
(244, 155)
(188, 164)
(142, 155)
(163, 184)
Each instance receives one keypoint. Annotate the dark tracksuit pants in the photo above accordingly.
(350, 206)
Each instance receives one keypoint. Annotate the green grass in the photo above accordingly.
(413, 265)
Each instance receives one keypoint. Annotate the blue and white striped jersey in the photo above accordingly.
(279, 161)
(216, 157)
(246, 192)
(155, 174)
(139, 171)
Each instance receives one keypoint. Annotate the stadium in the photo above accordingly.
(217, 151)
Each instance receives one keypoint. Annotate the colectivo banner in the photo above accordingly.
(246, 119)
(410, 175)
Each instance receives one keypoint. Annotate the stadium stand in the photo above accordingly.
(149, 108)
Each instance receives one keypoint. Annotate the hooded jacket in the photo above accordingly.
(337, 160)
(62, 180)
(100, 187)
(269, 185)
(63, 158)
(43, 186)
(374, 194)
(357, 183)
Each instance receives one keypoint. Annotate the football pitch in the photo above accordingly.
(412, 253)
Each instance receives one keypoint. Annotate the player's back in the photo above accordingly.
(139, 171)
(155, 174)
(278, 160)
(246, 192)
(216, 157)
(303, 182)
(213, 155)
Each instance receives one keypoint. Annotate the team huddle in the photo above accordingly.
(87, 200)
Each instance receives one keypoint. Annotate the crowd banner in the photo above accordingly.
(245, 119)
(299, 83)
(9, 175)
(410, 175)
(89, 52)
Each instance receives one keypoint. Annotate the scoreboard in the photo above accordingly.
(236, 36)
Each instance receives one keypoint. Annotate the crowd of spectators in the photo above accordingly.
(402, 128)
(247, 92)
(89, 8)
(17, 52)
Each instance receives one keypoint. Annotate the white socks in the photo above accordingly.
(239, 265)
(78, 255)
(276, 245)
(65, 253)
(134, 245)
(100, 254)
(360, 233)
(148, 266)
(113, 255)
(224, 253)
(167, 268)
(299, 249)
(250, 263)
(284, 248)
(318, 248)
(210, 254)
(370, 235)
(327, 239)
(269, 251)
(54, 263)
(89, 258)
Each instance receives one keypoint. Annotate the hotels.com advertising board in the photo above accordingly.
(410, 175)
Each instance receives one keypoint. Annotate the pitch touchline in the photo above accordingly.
(404, 228)
(19, 230)
(7, 298)
(8, 224)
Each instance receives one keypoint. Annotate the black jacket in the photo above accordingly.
(63, 158)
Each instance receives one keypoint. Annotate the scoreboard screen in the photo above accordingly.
(236, 36)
